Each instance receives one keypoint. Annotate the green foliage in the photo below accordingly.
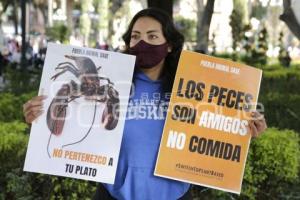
(262, 47)
(271, 170)
(242, 6)
(238, 21)
(12, 128)
(238, 30)
(282, 80)
(280, 96)
(236, 27)
(16, 184)
(224, 55)
(66, 188)
(258, 10)
(283, 57)
(187, 27)
(59, 32)
(20, 80)
(13, 144)
(11, 106)
(40, 186)
(274, 158)
(84, 24)
(257, 53)
(84, 20)
(102, 10)
(282, 109)
(213, 45)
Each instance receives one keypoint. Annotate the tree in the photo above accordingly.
(85, 21)
(4, 4)
(203, 25)
(238, 21)
(40, 9)
(283, 57)
(256, 50)
(16, 16)
(187, 27)
(69, 13)
(166, 5)
(113, 6)
(42, 5)
(236, 30)
(101, 25)
(290, 19)
(3, 7)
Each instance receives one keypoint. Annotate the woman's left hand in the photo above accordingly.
(257, 124)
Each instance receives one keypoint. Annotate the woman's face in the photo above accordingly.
(147, 29)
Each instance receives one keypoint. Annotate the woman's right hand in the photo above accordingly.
(33, 108)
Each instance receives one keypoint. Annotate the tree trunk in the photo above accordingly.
(15, 16)
(114, 6)
(44, 13)
(5, 5)
(50, 13)
(166, 5)
(242, 5)
(203, 27)
(69, 14)
(43, 8)
(102, 25)
(200, 10)
(289, 18)
(23, 24)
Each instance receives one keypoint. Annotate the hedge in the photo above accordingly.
(280, 95)
(17, 184)
(271, 172)
(11, 106)
(285, 81)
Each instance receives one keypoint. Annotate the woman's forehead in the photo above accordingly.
(147, 24)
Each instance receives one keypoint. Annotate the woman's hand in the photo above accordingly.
(33, 108)
(257, 124)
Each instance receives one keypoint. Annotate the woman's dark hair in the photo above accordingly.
(173, 37)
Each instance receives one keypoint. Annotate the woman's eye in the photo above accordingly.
(134, 36)
(152, 37)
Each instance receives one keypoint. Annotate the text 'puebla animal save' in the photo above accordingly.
(90, 88)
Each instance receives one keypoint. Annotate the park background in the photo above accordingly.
(261, 33)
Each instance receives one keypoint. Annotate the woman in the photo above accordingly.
(152, 37)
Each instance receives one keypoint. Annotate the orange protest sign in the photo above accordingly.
(206, 134)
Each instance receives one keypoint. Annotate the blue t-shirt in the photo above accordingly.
(141, 138)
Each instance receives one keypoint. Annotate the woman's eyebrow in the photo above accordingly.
(152, 31)
(136, 32)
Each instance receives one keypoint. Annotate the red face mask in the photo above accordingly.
(148, 55)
